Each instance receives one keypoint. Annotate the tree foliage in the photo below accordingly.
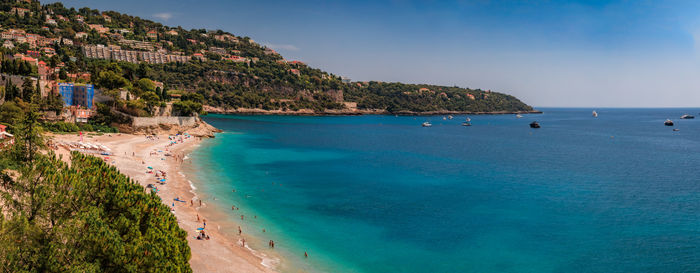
(86, 217)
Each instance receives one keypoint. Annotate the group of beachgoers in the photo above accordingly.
(161, 178)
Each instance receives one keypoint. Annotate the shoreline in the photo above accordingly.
(350, 112)
(133, 154)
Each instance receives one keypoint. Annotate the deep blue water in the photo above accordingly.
(617, 193)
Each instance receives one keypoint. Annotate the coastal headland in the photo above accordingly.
(353, 112)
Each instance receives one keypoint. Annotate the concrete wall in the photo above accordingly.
(155, 121)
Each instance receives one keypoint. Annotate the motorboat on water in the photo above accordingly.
(518, 116)
(686, 116)
(450, 117)
(535, 125)
(426, 124)
(444, 118)
(467, 122)
(668, 122)
(595, 114)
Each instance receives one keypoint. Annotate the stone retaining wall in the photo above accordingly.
(155, 121)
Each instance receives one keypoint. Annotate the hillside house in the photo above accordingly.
(6, 138)
(20, 11)
(152, 34)
(99, 28)
(8, 44)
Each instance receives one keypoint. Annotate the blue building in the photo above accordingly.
(77, 94)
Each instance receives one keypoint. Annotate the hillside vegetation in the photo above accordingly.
(225, 70)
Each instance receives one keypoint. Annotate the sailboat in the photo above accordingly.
(595, 114)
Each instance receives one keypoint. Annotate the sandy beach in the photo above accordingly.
(133, 154)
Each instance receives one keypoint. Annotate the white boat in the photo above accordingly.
(468, 119)
(450, 117)
(686, 116)
(426, 124)
(444, 118)
(595, 114)
(518, 116)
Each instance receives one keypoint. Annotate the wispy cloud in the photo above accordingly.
(281, 46)
(163, 16)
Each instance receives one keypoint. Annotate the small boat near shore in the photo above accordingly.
(427, 124)
(595, 114)
(535, 125)
(518, 116)
(686, 116)
(467, 122)
(668, 122)
(450, 117)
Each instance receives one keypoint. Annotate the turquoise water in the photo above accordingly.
(619, 193)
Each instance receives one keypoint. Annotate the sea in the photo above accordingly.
(381, 193)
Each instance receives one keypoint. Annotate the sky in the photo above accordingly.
(632, 53)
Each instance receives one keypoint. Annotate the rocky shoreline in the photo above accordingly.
(352, 112)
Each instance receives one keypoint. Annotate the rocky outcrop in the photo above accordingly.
(194, 126)
(199, 129)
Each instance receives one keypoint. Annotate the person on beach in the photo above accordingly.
(200, 202)
(198, 217)
(239, 230)
(191, 203)
(242, 242)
